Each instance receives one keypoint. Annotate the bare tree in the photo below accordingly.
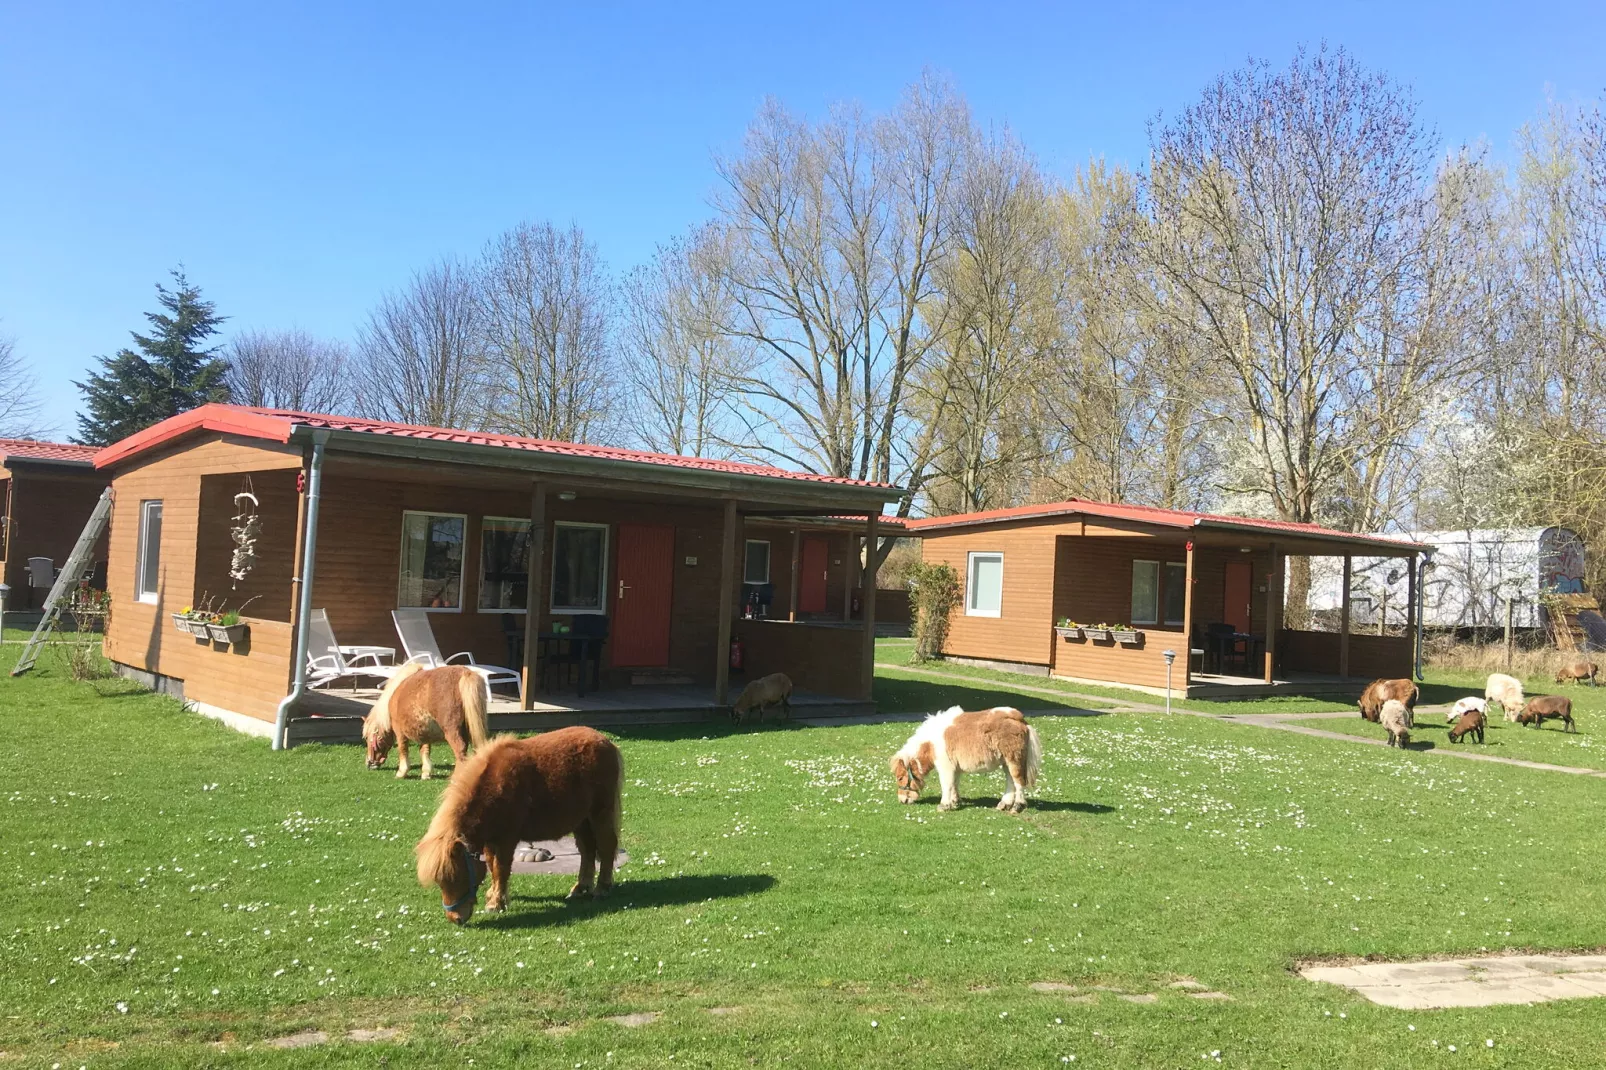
(289, 369)
(546, 302)
(420, 353)
(679, 362)
(835, 232)
(20, 405)
(1293, 210)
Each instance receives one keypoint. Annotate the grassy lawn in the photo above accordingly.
(176, 892)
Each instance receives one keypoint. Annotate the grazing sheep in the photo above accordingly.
(1397, 719)
(1546, 707)
(1472, 723)
(1462, 705)
(1506, 690)
(1380, 691)
(1577, 669)
(765, 691)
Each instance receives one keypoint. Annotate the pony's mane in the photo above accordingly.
(436, 859)
(377, 723)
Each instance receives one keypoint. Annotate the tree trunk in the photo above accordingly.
(1296, 612)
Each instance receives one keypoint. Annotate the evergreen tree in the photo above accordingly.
(168, 374)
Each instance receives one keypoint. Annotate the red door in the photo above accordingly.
(643, 596)
(811, 584)
(1235, 605)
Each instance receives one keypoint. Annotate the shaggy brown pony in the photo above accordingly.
(1547, 707)
(445, 705)
(513, 789)
(955, 742)
(1578, 669)
(1472, 724)
(1380, 691)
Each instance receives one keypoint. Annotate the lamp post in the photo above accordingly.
(1170, 656)
(5, 589)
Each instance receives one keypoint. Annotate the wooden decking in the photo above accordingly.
(1211, 685)
(336, 714)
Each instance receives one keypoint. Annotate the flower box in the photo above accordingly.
(1069, 633)
(1127, 635)
(1099, 635)
(181, 622)
(234, 633)
(196, 628)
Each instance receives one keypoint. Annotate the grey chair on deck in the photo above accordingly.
(325, 661)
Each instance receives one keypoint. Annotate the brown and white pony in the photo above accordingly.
(513, 789)
(445, 705)
(954, 742)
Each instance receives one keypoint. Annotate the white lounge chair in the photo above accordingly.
(325, 661)
(418, 640)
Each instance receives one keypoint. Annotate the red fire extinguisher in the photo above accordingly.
(736, 654)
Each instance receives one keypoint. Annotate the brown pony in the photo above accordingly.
(445, 705)
(513, 789)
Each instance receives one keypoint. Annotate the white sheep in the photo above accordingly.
(1506, 690)
(1397, 719)
(1462, 705)
(765, 691)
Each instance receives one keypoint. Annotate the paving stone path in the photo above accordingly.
(1476, 982)
(1283, 722)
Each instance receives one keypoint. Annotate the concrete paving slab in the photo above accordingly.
(1478, 982)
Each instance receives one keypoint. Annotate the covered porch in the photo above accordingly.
(1214, 598)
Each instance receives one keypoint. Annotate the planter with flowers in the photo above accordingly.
(1069, 629)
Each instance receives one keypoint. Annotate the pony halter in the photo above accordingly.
(467, 898)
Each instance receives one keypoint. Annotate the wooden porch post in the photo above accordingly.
(1410, 608)
(1273, 599)
(868, 601)
(850, 576)
(727, 595)
(534, 593)
(791, 603)
(1187, 623)
(1343, 619)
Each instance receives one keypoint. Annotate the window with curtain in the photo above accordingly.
(1176, 592)
(757, 569)
(432, 561)
(579, 568)
(984, 584)
(1145, 592)
(504, 564)
(150, 551)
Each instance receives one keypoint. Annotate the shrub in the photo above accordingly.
(933, 593)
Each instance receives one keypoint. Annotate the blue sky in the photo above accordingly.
(300, 159)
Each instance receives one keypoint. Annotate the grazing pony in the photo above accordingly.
(955, 742)
(514, 789)
(1471, 723)
(445, 705)
(765, 691)
(1506, 690)
(1466, 705)
(1380, 691)
(1396, 717)
(1548, 707)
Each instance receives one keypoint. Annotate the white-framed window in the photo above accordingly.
(148, 581)
(1176, 592)
(1145, 592)
(757, 564)
(432, 561)
(984, 583)
(579, 568)
(504, 564)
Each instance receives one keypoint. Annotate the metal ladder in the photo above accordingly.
(66, 580)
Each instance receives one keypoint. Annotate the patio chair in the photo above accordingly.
(41, 577)
(325, 662)
(418, 640)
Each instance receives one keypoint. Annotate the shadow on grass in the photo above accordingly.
(930, 696)
(540, 911)
(982, 802)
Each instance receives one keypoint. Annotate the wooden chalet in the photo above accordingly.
(47, 491)
(682, 555)
(1208, 588)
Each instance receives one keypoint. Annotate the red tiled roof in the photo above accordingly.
(276, 425)
(24, 449)
(1146, 514)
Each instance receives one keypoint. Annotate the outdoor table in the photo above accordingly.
(385, 655)
(549, 641)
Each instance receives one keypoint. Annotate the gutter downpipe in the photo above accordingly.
(1421, 594)
(309, 548)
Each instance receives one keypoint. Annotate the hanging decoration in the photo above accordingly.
(246, 530)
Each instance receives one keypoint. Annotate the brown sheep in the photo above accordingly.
(1577, 669)
(1471, 724)
(1380, 691)
(765, 691)
(1397, 719)
(1546, 707)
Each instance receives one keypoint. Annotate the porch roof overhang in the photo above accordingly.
(406, 450)
(1177, 524)
(56, 456)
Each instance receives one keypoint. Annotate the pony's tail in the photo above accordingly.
(1034, 756)
(475, 693)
